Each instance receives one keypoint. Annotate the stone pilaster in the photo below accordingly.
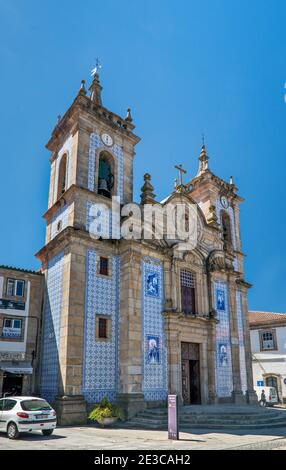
(250, 393)
(130, 394)
(71, 337)
(237, 392)
(211, 353)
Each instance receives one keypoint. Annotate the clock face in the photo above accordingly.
(224, 202)
(107, 140)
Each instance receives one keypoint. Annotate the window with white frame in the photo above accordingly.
(15, 288)
(267, 340)
(12, 328)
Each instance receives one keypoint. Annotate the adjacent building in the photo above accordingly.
(21, 294)
(268, 345)
(136, 319)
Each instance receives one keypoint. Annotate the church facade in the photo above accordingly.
(134, 319)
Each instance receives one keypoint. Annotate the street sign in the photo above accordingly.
(173, 429)
(260, 383)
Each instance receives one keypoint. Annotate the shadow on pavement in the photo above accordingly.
(34, 437)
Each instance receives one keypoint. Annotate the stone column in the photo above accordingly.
(130, 395)
(211, 346)
(71, 406)
(174, 354)
(250, 393)
(237, 392)
(211, 354)
(174, 284)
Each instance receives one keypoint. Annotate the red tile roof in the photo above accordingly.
(266, 318)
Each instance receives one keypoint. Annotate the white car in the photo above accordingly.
(26, 414)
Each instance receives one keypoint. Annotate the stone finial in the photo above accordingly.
(82, 90)
(204, 161)
(147, 195)
(95, 88)
(128, 116)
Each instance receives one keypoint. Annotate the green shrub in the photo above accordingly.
(105, 409)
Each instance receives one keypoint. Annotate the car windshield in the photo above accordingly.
(35, 405)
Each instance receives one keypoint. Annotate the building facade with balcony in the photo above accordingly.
(21, 296)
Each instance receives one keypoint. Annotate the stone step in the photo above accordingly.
(252, 418)
(201, 417)
(213, 422)
(189, 427)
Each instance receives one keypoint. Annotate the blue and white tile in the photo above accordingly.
(154, 384)
(51, 328)
(100, 368)
(223, 363)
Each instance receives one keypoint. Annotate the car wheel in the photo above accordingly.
(47, 432)
(12, 431)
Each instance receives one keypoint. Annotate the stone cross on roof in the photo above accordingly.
(181, 172)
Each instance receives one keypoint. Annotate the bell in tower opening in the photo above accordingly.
(105, 176)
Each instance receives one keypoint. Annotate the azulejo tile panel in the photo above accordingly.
(100, 367)
(224, 378)
(51, 328)
(96, 144)
(240, 327)
(154, 351)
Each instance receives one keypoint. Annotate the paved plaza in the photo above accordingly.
(92, 438)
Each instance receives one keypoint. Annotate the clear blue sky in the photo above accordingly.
(185, 67)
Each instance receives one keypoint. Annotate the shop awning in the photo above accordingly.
(17, 370)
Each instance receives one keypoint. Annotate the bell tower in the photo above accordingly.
(92, 152)
(220, 204)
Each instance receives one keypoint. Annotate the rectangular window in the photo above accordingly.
(188, 292)
(15, 288)
(103, 266)
(267, 340)
(10, 287)
(102, 328)
(12, 328)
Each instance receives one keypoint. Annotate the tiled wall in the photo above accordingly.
(154, 352)
(95, 144)
(51, 328)
(59, 216)
(240, 326)
(100, 221)
(224, 379)
(100, 367)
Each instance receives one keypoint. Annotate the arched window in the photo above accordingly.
(226, 228)
(62, 176)
(105, 174)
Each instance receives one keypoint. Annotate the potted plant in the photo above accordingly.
(106, 413)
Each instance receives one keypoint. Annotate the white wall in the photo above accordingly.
(269, 362)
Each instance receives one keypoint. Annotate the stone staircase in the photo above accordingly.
(212, 417)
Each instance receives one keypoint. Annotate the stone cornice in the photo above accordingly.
(243, 283)
(82, 104)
